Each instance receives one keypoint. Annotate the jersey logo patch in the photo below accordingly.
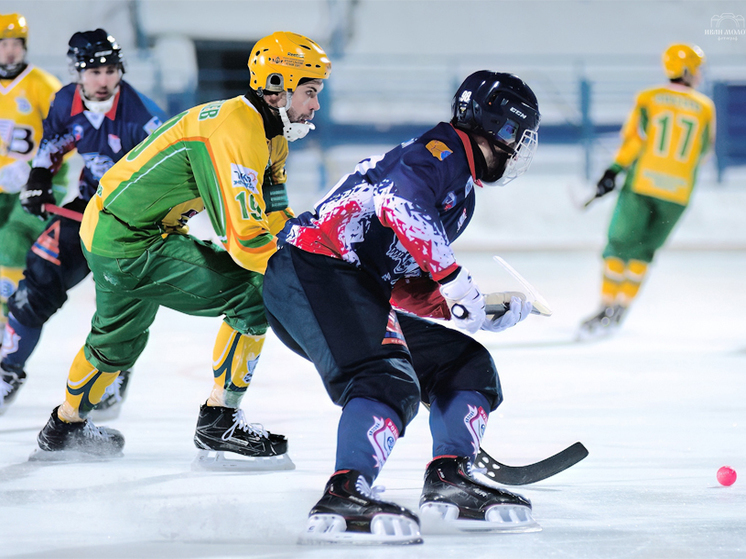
(439, 150)
(243, 177)
(152, 124)
(393, 334)
(449, 201)
(115, 143)
(23, 105)
(382, 436)
(47, 246)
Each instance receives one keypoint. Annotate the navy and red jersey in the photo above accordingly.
(101, 139)
(397, 214)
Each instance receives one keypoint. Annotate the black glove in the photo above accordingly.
(607, 183)
(275, 195)
(37, 192)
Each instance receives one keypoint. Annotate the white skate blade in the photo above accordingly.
(443, 518)
(386, 529)
(220, 461)
(40, 455)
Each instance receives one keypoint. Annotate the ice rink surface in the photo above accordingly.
(660, 407)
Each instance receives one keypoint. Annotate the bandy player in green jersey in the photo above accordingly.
(667, 134)
(226, 158)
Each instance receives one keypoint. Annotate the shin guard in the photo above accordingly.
(458, 423)
(613, 279)
(367, 433)
(234, 359)
(85, 388)
(9, 279)
(634, 274)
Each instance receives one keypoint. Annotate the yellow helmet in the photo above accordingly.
(679, 58)
(279, 61)
(13, 26)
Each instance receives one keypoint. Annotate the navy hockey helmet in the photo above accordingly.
(92, 49)
(502, 108)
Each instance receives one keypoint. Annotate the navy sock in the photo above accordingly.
(457, 423)
(19, 342)
(367, 432)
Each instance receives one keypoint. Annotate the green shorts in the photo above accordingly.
(640, 225)
(180, 272)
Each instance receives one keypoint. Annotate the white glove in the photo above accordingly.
(518, 310)
(13, 176)
(465, 301)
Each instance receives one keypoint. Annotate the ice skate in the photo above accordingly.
(227, 442)
(453, 500)
(604, 323)
(351, 513)
(110, 405)
(61, 441)
(11, 380)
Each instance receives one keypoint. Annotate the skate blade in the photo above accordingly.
(443, 518)
(386, 529)
(217, 461)
(40, 455)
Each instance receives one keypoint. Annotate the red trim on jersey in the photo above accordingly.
(78, 106)
(111, 115)
(469, 154)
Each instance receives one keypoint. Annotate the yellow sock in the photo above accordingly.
(85, 388)
(233, 361)
(612, 281)
(634, 273)
(9, 279)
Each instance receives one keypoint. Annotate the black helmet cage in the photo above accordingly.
(92, 49)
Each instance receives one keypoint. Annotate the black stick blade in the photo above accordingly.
(531, 473)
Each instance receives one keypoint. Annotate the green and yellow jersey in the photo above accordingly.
(664, 139)
(212, 157)
(24, 104)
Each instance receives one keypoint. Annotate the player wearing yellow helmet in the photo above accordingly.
(666, 135)
(26, 92)
(222, 158)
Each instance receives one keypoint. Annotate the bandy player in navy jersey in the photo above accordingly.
(103, 117)
(379, 244)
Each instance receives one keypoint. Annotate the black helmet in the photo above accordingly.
(91, 49)
(502, 108)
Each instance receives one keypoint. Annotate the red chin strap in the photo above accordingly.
(469, 154)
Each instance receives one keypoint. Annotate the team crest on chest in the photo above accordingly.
(23, 106)
(115, 143)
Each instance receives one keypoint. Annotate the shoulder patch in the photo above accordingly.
(439, 150)
(243, 177)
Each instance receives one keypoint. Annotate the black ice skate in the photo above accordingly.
(63, 441)
(249, 446)
(11, 380)
(351, 513)
(454, 500)
(111, 403)
(605, 323)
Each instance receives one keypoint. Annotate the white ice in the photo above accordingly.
(660, 407)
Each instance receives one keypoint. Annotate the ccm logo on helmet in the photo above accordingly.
(516, 111)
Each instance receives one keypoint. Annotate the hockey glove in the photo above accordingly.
(517, 311)
(37, 192)
(275, 195)
(465, 301)
(607, 183)
(14, 176)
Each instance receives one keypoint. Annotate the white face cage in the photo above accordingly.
(520, 161)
